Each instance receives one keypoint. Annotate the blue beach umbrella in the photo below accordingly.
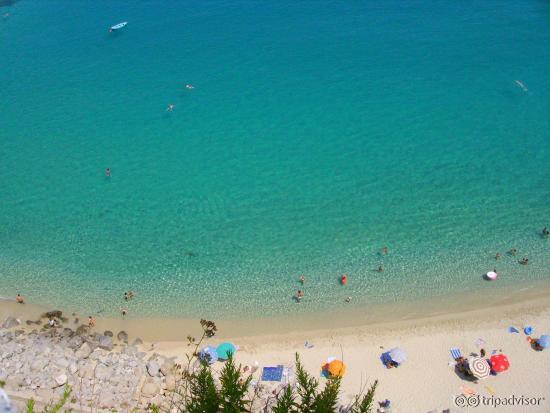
(209, 354)
(224, 350)
(398, 355)
(544, 341)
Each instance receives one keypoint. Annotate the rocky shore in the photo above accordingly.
(104, 371)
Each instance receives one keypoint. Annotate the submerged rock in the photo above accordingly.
(122, 336)
(53, 314)
(10, 322)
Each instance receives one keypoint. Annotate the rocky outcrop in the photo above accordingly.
(10, 322)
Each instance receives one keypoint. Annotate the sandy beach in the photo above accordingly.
(425, 382)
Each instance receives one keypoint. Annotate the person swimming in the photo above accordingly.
(513, 252)
(299, 295)
(545, 232)
(302, 279)
(344, 279)
(524, 261)
(497, 256)
(380, 268)
(19, 299)
(124, 311)
(108, 172)
(189, 86)
(170, 107)
(385, 251)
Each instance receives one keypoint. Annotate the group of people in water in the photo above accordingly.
(171, 106)
(343, 280)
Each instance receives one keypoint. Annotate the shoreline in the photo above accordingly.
(456, 306)
(426, 341)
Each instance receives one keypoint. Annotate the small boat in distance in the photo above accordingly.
(117, 26)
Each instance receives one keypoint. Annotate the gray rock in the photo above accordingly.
(122, 336)
(150, 390)
(83, 330)
(137, 342)
(60, 380)
(62, 363)
(170, 382)
(153, 369)
(105, 342)
(53, 314)
(84, 351)
(75, 342)
(108, 333)
(39, 364)
(10, 322)
(102, 372)
(73, 368)
(167, 368)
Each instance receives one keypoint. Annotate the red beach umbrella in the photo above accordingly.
(499, 363)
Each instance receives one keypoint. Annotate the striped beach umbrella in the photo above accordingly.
(499, 363)
(479, 367)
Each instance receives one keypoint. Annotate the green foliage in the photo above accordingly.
(204, 396)
(2, 383)
(30, 406)
(307, 388)
(364, 404)
(285, 402)
(52, 408)
(234, 389)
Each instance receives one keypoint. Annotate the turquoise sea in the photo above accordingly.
(317, 133)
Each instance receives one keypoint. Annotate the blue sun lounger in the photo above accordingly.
(455, 353)
(272, 373)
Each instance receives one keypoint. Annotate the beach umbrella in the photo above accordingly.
(225, 349)
(544, 341)
(336, 368)
(499, 363)
(209, 354)
(398, 355)
(479, 367)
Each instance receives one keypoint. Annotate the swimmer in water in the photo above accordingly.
(189, 86)
(19, 299)
(348, 299)
(124, 311)
(524, 261)
(380, 268)
(385, 251)
(497, 256)
(108, 172)
(521, 85)
(513, 252)
(302, 279)
(545, 232)
(91, 321)
(170, 107)
(299, 295)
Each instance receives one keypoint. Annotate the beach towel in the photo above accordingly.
(385, 358)
(467, 391)
(455, 353)
(513, 330)
(272, 373)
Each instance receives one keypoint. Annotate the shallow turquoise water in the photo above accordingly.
(317, 133)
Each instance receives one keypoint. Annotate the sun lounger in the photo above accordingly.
(272, 373)
(455, 353)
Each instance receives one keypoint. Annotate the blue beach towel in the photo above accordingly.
(455, 353)
(272, 373)
(513, 330)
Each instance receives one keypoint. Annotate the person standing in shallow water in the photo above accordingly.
(108, 172)
(19, 299)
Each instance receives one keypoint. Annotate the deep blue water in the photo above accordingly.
(317, 133)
